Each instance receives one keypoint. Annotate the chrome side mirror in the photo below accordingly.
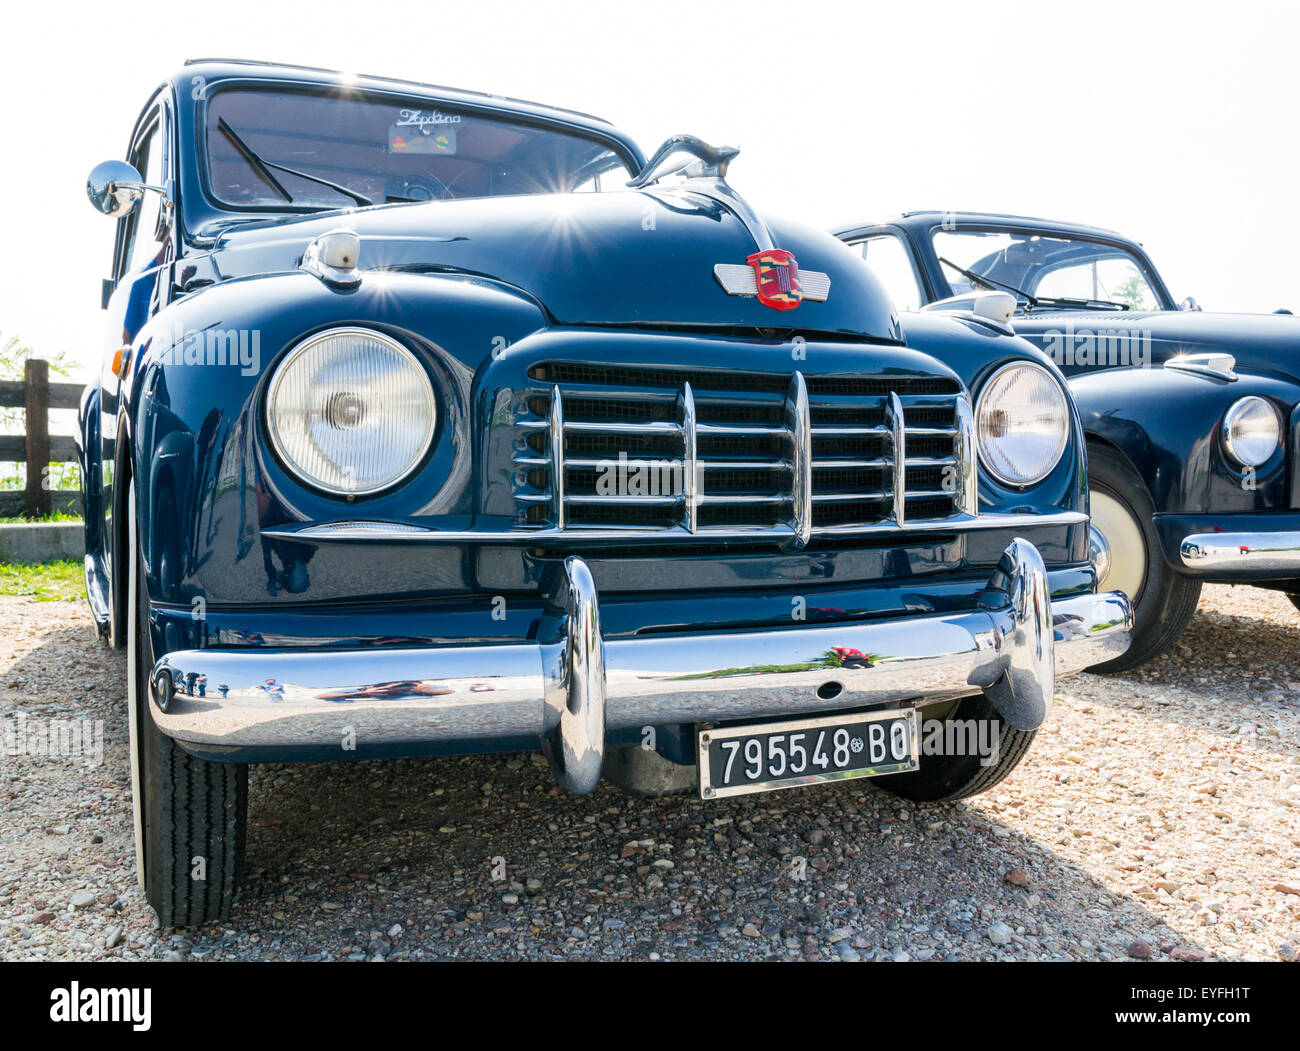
(1189, 304)
(115, 188)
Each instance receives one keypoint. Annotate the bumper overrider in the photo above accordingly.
(570, 687)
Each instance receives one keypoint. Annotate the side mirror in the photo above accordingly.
(1189, 304)
(115, 188)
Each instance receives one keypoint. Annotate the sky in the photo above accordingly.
(1175, 124)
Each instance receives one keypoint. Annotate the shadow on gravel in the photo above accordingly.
(71, 674)
(1224, 673)
(404, 859)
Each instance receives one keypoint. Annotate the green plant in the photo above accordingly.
(60, 581)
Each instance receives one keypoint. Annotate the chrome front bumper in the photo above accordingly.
(567, 689)
(1263, 552)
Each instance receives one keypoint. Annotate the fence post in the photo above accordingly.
(36, 374)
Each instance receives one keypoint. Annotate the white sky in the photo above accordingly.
(1174, 124)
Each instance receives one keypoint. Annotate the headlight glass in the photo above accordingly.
(351, 411)
(1251, 431)
(1022, 423)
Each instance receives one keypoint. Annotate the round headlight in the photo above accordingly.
(351, 411)
(1251, 431)
(1022, 423)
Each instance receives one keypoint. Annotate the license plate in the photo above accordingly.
(739, 759)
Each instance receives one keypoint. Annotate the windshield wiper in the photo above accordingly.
(1105, 304)
(263, 167)
(989, 283)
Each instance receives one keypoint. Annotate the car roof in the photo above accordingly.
(935, 217)
(216, 69)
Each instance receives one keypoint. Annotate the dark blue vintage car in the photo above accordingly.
(444, 423)
(1191, 417)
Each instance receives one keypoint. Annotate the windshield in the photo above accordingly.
(1050, 270)
(272, 149)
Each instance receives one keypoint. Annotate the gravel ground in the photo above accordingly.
(1156, 816)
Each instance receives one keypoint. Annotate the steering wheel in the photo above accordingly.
(415, 188)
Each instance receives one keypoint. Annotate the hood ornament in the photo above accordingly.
(771, 273)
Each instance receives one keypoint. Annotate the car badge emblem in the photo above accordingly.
(776, 276)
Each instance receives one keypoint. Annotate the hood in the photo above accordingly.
(633, 258)
(1267, 343)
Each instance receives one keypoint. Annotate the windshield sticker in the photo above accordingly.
(424, 138)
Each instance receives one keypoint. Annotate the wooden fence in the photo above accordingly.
(37, 447)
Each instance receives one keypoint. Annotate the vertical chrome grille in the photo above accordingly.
(698, 451)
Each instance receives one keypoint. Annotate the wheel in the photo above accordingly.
(1294, 596)
(1127, 553)
(964, 771)
(190, 814)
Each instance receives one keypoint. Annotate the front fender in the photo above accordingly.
(1166, 423)
(206, 480)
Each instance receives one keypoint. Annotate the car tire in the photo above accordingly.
(190, 814)
(1165, 601)
(1294, 596)
(946, 777)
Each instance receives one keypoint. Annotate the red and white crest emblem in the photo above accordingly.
(777, 275)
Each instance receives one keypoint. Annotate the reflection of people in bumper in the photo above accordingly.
(273, 689)
(398, 690)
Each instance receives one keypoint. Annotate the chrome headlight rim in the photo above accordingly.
(1063, 445)
(286, 461)
(1235, 411)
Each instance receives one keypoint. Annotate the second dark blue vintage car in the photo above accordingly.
(1192, 418)
(434, 422)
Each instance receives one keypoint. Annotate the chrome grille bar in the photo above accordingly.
(967, 478)
(557, 456)
(690, 476)
(799, 420)
(898, 446)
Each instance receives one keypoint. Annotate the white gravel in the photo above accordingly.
(1157, 816)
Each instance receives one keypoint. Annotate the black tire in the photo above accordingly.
(1294, 597)
(944, 778)
(192, 814)
(1166, 601)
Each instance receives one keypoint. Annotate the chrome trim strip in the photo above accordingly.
(328, 532)
(898, 443)
(556, 449)
(1253, 551)
(799, 422)
(571, 685)
(967, 479)
(691, 478)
